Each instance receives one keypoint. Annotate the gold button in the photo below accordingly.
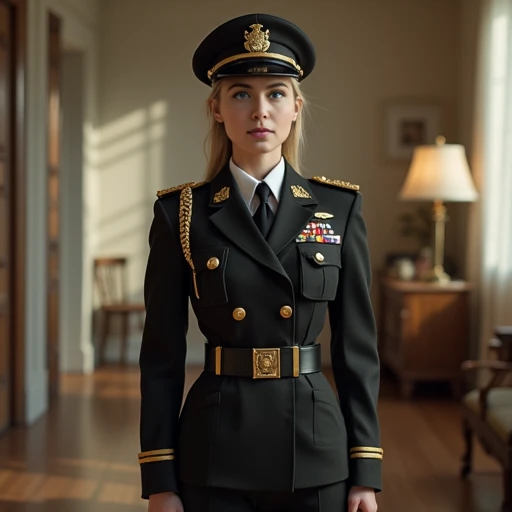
(286, 311)
(319, 257)
(213, 263)
(239, 314)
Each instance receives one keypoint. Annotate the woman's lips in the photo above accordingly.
(260, 133)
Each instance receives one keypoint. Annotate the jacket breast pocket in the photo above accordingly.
(320, 266)
(210, 267)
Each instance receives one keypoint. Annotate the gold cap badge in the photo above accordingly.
(257, 41)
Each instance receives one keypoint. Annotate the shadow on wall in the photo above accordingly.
(134, 162)
(131, 153)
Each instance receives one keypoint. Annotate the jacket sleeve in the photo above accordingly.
(354, 354)
(162, 355)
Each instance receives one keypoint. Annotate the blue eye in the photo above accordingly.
(276, 95)
(241, 95)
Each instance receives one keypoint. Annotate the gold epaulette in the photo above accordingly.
(335, 183)
(366, 452)
(191, 184)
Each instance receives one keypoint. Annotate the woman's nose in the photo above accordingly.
(260, 109)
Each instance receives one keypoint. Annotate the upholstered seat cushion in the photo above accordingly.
(499, 410)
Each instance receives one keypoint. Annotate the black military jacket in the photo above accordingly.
(240, 433)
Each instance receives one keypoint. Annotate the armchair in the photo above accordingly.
(487, 411)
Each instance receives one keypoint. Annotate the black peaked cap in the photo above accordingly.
(254, 45)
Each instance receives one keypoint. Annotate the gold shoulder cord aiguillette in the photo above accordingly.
(185, 220)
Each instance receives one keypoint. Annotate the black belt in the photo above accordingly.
(263, 363)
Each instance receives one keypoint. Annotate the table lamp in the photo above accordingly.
(439, 172)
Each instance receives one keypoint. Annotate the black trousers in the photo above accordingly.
(331, 498)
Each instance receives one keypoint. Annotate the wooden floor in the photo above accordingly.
(82, 456)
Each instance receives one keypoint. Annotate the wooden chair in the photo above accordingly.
(111, 282)
(487, 411)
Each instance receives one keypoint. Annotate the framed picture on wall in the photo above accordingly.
(407, 125)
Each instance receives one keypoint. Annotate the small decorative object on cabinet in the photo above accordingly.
(423, 331)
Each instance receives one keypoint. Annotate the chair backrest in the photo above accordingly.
(110, 279)
(503, 334)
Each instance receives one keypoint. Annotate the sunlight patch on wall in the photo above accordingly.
(131, 163)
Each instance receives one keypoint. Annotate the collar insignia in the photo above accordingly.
(221, 195)
(298, 191)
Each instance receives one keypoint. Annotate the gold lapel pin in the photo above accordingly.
(323, 215)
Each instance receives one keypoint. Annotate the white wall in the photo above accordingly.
(469, 79)
(469, 42)
(72, 208)
(152, 126)
(79, 19)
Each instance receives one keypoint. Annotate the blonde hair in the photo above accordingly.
(218, 146)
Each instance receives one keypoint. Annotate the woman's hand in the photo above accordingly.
(165, 502)
(362, 498)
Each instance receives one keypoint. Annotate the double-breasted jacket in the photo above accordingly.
(248, 292)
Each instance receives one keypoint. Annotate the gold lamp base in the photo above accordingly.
(437, 274)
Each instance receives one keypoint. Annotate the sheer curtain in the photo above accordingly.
(490, 236)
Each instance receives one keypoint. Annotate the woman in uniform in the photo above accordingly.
(263, 254)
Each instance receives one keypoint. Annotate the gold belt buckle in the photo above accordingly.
(266, 363)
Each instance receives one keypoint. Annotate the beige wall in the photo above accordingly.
(369, 51)
(470, 130)
(469, 40)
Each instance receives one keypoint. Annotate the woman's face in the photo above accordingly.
(257, 112)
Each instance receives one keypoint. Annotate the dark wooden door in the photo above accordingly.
(54, 133)
(12, 211)
(5, 213)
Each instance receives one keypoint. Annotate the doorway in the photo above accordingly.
(12, 211)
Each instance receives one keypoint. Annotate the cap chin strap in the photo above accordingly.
(243, 56)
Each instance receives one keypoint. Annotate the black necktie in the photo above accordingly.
(264, 215)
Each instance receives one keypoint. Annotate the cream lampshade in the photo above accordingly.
(438, 173)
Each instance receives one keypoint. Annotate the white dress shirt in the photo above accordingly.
(247, 185)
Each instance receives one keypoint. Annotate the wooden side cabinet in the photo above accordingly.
(423, 331)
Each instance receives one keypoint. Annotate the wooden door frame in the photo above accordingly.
(18, 210)
(54, 60)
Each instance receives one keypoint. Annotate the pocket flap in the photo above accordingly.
(210, 267)
(211, 259)
(321, 255)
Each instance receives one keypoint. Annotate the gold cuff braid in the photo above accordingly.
(156, 459)
(366, 452)
(156, 455)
